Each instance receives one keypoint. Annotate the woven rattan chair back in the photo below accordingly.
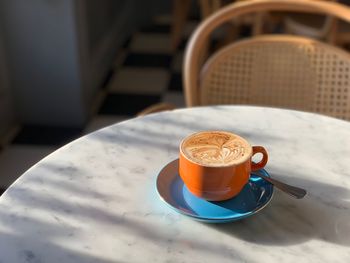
(280, 71)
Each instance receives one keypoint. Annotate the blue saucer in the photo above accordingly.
(254, 197)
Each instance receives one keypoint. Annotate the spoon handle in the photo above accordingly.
(289, 189)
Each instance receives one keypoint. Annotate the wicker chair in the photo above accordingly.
(279, 70)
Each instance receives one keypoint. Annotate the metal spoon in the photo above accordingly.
(296, 192)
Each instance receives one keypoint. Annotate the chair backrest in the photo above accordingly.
(281, 71)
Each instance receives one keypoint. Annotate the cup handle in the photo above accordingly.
(262, 163)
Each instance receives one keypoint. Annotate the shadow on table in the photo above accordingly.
(32, 232)
(52, 252)
(293, 221)
(37, 239)
(323, 214)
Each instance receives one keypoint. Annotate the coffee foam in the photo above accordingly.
(216, 148)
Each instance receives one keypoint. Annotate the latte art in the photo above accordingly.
(216, 148)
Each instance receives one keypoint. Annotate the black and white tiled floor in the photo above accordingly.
(145, 72)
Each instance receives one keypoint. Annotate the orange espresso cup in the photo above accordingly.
(216, 165)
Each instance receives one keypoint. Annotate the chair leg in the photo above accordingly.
(331, 37)
(180, 13)
(232, 31)
(258, 23)
(216, 5)
(205, 8)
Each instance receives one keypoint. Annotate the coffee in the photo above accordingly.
(216, 148)
(216, 165)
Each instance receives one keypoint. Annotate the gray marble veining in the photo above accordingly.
(94, 200)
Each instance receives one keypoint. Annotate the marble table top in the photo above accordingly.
(94, 200)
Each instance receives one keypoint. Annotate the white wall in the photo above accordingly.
(59, 52)
(42, 48)
(7, 115)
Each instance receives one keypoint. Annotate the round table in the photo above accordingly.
(94, 200)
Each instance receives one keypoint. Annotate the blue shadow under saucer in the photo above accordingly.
(255, 196)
